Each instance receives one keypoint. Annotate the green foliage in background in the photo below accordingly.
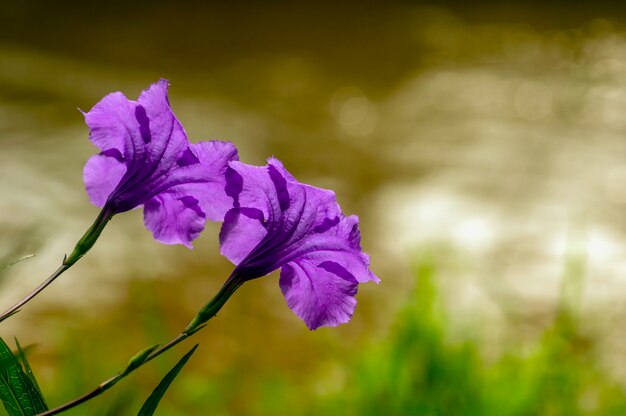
(417, 367)
(151, 404)
(417, 371)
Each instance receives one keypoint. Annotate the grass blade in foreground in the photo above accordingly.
(148, 354)
(149, 407)
(18, 392)
(28, 370)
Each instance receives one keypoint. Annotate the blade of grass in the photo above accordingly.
(149, 407)
(29, 370)
(17, 391)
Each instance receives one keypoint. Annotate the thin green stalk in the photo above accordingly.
(205, 314)
(104, 386)
(82, 247)
(209, 310)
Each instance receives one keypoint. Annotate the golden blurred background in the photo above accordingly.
(485, 141)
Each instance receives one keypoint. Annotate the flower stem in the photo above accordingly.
(82, 247)
(206, 313)
(89, 239)
(209, 310)
(104, 386)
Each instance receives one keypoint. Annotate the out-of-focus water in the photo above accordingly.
(499, 143)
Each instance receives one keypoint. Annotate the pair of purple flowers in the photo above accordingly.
(270, 220)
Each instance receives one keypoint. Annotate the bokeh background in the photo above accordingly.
(482, 145)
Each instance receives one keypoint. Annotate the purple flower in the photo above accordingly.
(146, 159)
(278, 222)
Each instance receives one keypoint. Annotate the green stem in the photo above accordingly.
(91, 236)
(206, 313)
(209, 310)
(82, 247)
(104, 386)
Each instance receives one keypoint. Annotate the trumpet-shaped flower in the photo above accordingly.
(146, 159)
(278, 222)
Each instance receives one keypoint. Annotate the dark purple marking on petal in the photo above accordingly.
(279, 165)
(326, 225)
(192, 203)
(354, 235)
(339, 270)
(174, 219)
(234, 185)
(253, 213)
(187, 158)
(242, 230)
(144, 123)
(281, 187)
(287, 277)
(114, 153)
(318, 296)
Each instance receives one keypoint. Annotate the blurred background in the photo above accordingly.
(483, 147)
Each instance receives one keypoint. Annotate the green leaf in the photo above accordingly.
(28, 369)
(17, 391)
(149, 407)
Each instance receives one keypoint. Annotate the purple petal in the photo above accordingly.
(321, 205)
(280, 185)
(112, 124)
(276, 193)
(320, 294)
(279, 166)
(146, 133)
(187, 158)
(102, 173)
(342, 243)
(311, 211)
(324, 211)
(304, 222)
(203, 179)
(202, 182)
(174, 219)
(214, 157)
(159, 128)
(355, 261)
(242, 230)
(252, 186)
(348, 228)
